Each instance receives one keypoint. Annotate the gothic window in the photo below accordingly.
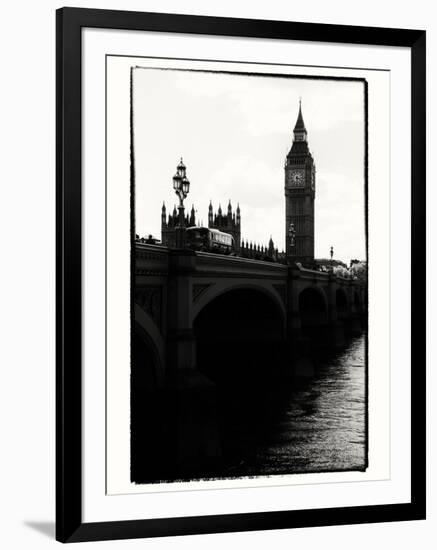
(297, 208)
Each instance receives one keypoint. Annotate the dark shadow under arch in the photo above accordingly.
(357, 301)
(342, 304)
(312, 307)
(237, 333)
(147, 435)
(254, 288)
(313, 312)
(240, 338)
(145, 361)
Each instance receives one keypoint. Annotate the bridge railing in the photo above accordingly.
(150, 258)
(154, 259)
(233, 265)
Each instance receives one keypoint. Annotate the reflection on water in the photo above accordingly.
(322, 425)
(267, 422)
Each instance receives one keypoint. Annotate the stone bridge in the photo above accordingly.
(206, 324)
(183, 296)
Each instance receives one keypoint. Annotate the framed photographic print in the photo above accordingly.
(240, 270)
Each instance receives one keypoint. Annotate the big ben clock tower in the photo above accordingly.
(300, 191)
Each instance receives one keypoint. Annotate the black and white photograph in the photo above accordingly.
(240, 323)
(249, 262)
(215, 283)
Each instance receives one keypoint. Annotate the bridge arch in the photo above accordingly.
(313, 289)
(145, 398)
(240, 334)
(147, 334)
(220, 288)
(241, 347)
(342, 303)
(313, 311)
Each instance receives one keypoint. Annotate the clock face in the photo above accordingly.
(297, 178)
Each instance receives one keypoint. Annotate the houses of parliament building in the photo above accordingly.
(299, 189)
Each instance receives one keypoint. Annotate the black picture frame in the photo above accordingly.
(69, 524)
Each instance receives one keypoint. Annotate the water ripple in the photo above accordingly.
(323, 426)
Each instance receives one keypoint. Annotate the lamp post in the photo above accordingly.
(181, 186)
(331, 252)
(292, 237)
(292, 234)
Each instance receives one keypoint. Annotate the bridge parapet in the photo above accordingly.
(151, 259)
(306, 273)
(220, 265)
(204, 275)
(156, 259)
(298, 272)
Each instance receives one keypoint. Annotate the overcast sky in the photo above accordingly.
(233, 133)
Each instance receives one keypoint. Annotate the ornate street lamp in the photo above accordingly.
(331, 252)
(181, 186)
(292, 234)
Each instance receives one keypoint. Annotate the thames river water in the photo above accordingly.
(271, 423)
(319, 424)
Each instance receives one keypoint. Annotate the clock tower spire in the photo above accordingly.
(300, 193)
